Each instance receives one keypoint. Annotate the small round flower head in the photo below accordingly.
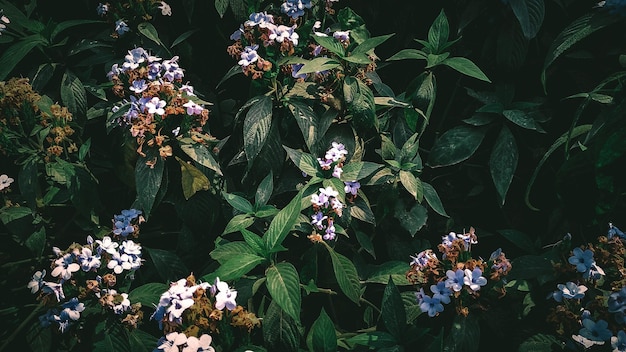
(595, 331)
(352, 187)
(441, 292)
(225, 298)
(284, 33)
(121, 27)
(261, 19)
(431, 305)
(570, 290)
(618, 343)
(166, 10)
(5, 182)
(249, 55)
(202, 344)
(65, 266)
(455, 279)
(155, 106)
(474, 279)
(295, 8)
(581, 259)
(422, 259)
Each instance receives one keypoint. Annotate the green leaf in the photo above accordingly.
(265, 211)
(360, 101)
(70, 24)
(283, 284)
(16, 52)
(392, 311)
(224, 252)
(264, 191)
(14, 213)
(521, 119)
(358, 59)
(412, 184)
(169, 266)
(38, 338)
(36, 242)
(529, 14)
(464, 335)
(365, 242)
(148, 180)
(422, 92)
(503, 162)
(256, 127)
(408, 54)
(148, 294)
(370, 43)
(141, 340)
(322, 336)
(519, 239)
(236, 267)
(282, 223)
(280, 331)
(375, 339)
(413, 219)
(466, 67)
(239, 203)
(318, 64)
(255, 242)
(304, 161)
(360, 209)
(307, 121)
(432, 198)
(357, 170)
(221, 6)
(530, 267)
(346, 275)
(332, 44)
(200, 153)
(577, 131)
(539, 343)
(455, 145)
(192, 179)
(43, 75)
(439, 32)
(433, 60)
(238, 223)
(74, 97)
(148, 30)
(572, 34)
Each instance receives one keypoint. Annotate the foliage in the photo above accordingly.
(289, 178)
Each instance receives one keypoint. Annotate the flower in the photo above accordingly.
(342, 36)
(585, 341)
(4, 20)
(123, 306)
(295, 8)
(595, 331)
(53, 287)
(617, 301)
(172, 341)
(431, 305)
(282, 33)
(102, 9)
(474, 279)
(441, 292)
(619, 342)
(330, 231)
(65, 266)
(193, 108)
(87, 260)
(455, 279)
(71, 309)
(5, 181)
(37, 281)
(352, 187)
(317, 220)
(249, 55)
(138, 86)
(202, 344)
(423, 258)
(155, 106)
(614, 231)
(107, 245)
(337, 171)
(582, 260)
(166, 10)
(121, 27)
(336, 152)
(569, 290)
(225, 297)
(262, 19)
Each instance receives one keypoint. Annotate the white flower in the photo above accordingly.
(37, 281)
(202, 344)
(166, 10)
(173, 340)
(65, 266)
(225, 297)
(5, 181)
(107, 245)
(122, 306)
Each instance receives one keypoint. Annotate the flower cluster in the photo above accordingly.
(327, 203)
(591, 304)
(198, 309)
(160, 106)
(457, 275)
(5, 183)
(121, 14)
(88, 273)
(4, 20)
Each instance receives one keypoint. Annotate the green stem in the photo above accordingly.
(370, 304)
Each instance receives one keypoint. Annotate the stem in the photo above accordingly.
(370, 304)
(21, 327)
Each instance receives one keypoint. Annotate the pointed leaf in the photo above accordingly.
(521, 119)
(238, 223)
(319, 64)
(238, 202)
(332, 44)
(360, 100)
(148, 178)
(148, 30)
(74, 97)
(393, 313)
(280, 331)
(357, 170)
(439, 32)
(236, 267)
(149, 294)
(455, 145)
(304, 161)
(366, 243)
(322, 336)
(223, 252)
(307, 121)
(264, 191)
(466, 67)
(432, 198)
(529, 14)
(519, 239)
(16, 52)
(412, 184)
(503, 162)
(283, 284)
(370, 43)
(221, 6)
(413, 219)
(346, 275)
(169, 266)
(256, 127)
(192, 179)
(254, 241)
(201, 154)
(408, 54)
(282, 223)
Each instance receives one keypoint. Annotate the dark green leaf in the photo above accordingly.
(224, 252)
(358, 59)
(238, 202)
(370, 43)
(411, 220)
(346, 275)
(422, 92)
(256, 127)
(307, 121)
(236, 267)
(322, 336)
(519, 239)
(503, 162)
(380, 274)
(255, 242)
(14, 213)
(439, 32)
(521, 119)
(39, 339)
(375, 339)
(392, 311)
(432, 198)
(539, 343)
(357, 170)
(114, 338)
(361, 210)
(238, 223)
(221, 6)
(16, 52)
(466, 67)
(360, 100)
(43, 75)
(148, 30)
(319, 64)
(264, 191)
(69, 24)
(36, 242)
(304, 161)
(412, 184)
(169, 266)
(529, 14)
(332, 44)
(365, 242)
(201, 154)
(530, 267)
(464, 336)
(148, 180)
(455, 145)
(74, 97)
(141, 341)
(181, 38)
(283, 284)
(280, 331)
(408, 54)
(282, 223)
(149, 294)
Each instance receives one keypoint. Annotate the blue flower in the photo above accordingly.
(582, 260)
(352, 187)
(595, 331)
(47, 319)
(423, 258)
(87, 260)
(441, 292)
(474, 279)
(121, 27)
(617, 301)
(261, 19)
(431, 305)
(455, 279)
(295, 8)
(294, 71)
(570, 290)
(71, 310)
(619, 342)
(102, 9)
(249, 55)
(614, 231)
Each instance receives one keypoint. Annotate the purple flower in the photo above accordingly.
(614, 231)
(330, 231)
(282, 33)
(474, 279)
(441, 292)
(249, 55)
(193, 108)
(422, 258)
(582, 260)
(352, 187)
(121, 27)
(138, 86)
(225, 297)
(317, 220)
(455, 279)
(294, 71)
(342, 36)
(431, 305)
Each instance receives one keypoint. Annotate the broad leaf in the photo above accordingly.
(169, 266)
(283, 284)
(224, 252)
(264, 191)
(236, 267)
(365, 242)
(413, 219)
(148, 178)
(74, 97)
(370, 43)
(361, 210)
(358, 170)
(375, 340)
(332, 44)
(141, 341)
(408, 54)
(432, 198)
(238, 202)
(192, 179)
(322, 336)
(439, 32)
(392, 311)
(282, 223)
(412, 184)
(238, 223)
(519, 239)
(422, 92)
(256, 127)
(36, 242)
(503, 162)
(307, 121)
(221, 6)
(529, 14)
(319, 64)
(16, 52)
(456, 145)
(280, 331)
(464, 336)
(346, 275)
(38, 338)
(201, 154)
(304, 161)
(255, 242)
(149, 294)
(521, 119)
(150, 32)
(360, 100)
(530, 267)
(466, 67)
